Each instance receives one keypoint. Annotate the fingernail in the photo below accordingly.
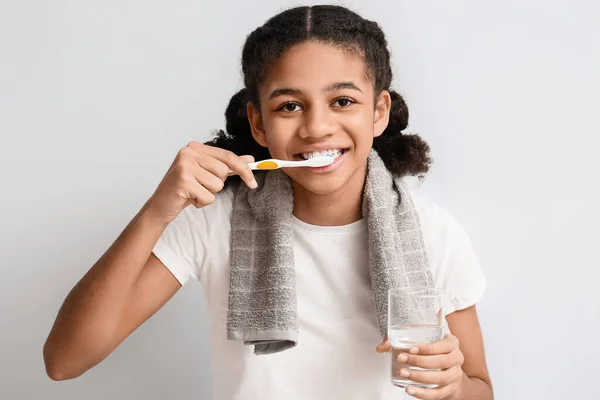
(414, 350)
(404, 373)
(253, 184)
(411, 391)
(403, 358)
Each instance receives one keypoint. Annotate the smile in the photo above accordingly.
(335, 153)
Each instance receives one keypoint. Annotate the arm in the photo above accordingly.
(122, 290)
(456, 363)
(128, 284)
(476, 382)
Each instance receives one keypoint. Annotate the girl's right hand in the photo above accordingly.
(197, 174)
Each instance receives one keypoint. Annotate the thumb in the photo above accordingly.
(385, 346)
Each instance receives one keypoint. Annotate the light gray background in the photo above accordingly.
(97, 97)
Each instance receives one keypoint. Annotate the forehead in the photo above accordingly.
(313, 65)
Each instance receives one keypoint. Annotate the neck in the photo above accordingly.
(338, 208)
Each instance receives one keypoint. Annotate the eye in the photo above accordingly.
(344, 102)
(289, 107)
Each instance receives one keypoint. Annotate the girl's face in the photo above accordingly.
(317, 98)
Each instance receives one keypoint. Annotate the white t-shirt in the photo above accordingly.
(335, 357)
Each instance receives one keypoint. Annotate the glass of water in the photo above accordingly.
(414, 317)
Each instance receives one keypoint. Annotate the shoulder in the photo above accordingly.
(436, 221)
(186, 245)
(453, 260)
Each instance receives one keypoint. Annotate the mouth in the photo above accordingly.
(335, 153)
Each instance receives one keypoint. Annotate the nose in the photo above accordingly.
(318, 124)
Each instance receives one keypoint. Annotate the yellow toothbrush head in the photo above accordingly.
(266, 165)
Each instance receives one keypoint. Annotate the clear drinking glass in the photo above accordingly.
(414, 317)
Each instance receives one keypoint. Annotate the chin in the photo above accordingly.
(344, 173)
(320, 189)
(319, 185)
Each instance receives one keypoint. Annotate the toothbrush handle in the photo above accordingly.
(253, 166)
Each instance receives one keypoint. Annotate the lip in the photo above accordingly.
(320, 148)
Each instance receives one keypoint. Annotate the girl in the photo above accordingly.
(295, 264)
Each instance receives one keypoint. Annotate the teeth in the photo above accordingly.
(332, 153)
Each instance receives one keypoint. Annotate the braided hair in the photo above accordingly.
(338, 26)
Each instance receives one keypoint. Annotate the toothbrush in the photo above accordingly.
(272, 163)
(320, 161)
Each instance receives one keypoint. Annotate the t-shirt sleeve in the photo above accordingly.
(184, 245)
(454, 264)
(461, 275)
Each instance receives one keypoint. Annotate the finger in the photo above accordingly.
(200, 196)
(215, 166)
(431, 377)
(211, 182)
(214, 159)
(248, 159)
(218, 167)
(437, 393)
(235, 163)
(385, 346)
(443, 346)
(438, 361)
(196, 145)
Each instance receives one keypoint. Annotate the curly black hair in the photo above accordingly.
(402, 154)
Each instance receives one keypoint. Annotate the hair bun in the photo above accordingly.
(398, 113)
(236, 114)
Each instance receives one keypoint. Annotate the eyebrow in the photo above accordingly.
(342, 85)
(330, 88)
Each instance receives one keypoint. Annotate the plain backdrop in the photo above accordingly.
(96, 98)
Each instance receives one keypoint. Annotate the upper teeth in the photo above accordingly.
(332, 153)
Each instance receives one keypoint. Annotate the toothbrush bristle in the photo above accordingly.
(323, 161)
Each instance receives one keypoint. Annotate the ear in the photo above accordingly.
(256, 124)
(381, 117)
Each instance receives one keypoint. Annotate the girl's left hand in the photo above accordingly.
(444, 356)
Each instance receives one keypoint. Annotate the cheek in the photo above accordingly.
(279, 134)
(361, 118)
(360, 126)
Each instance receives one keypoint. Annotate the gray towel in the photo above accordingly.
(262, 288)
